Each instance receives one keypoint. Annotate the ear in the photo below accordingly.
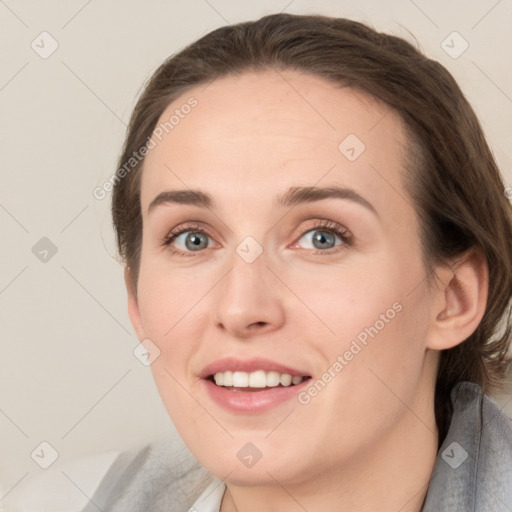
(460, 300)
(133, 304)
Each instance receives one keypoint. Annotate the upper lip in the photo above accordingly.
(248, 365)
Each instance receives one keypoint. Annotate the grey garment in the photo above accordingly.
(472, 473)
(158, 477)
(473, 470)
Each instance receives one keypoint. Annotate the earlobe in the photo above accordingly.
(133, 304)
(461, 300)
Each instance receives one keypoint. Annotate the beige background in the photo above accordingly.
(67, 372)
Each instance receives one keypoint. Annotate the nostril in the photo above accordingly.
(258, 324)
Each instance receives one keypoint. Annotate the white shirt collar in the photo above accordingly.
(211, 498)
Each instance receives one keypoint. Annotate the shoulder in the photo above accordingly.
(157, 476)
(473, 469)
(480, 419)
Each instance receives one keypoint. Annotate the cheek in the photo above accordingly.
(167, 306)
(167, 296)
(347, 301)
(380, 356)
(373, 316)
(169, 313)
(370, 379)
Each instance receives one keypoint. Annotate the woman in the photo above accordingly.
(317, 246)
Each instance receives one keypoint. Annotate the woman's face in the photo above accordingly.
(295, 259)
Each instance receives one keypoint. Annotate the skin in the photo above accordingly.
(250, 138)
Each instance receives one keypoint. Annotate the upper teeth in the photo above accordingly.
(257, 379)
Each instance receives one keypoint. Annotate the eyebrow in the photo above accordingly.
(293, 197)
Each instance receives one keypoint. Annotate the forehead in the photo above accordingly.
(263, 131)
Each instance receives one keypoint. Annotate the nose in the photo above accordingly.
(248, 301)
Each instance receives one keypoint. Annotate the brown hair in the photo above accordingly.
(453, 178)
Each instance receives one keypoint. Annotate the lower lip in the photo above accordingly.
(252, 401)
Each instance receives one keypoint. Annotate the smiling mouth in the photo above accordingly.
(258, 380)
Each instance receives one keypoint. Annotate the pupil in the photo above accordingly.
(322, 237)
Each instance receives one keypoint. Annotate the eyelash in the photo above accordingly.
(323, 225)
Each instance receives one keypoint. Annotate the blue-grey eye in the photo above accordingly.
(321, 239)
(193, 241)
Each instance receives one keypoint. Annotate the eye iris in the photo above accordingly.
(194, 240)
(323, 239)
